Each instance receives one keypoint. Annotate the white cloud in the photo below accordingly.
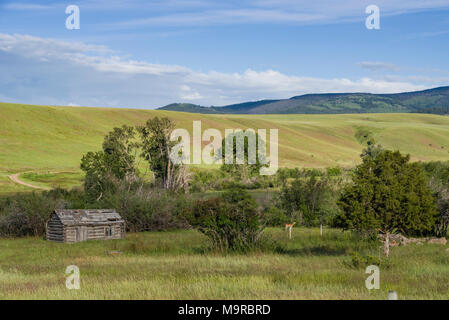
(188, 94)
(48, 71)
(191, 96)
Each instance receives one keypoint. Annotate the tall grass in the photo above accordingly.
(174, 265)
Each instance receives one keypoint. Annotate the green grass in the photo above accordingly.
(175, 265)
(53, 139)
(65, 180)
(9, 187)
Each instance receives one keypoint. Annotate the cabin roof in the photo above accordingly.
(90, 216)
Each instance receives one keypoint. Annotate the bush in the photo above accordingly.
(437, 173)
(276, 217)
(143, 208)
(309, 199)
(149, 209)
(232, 222)
(26, 214)
(15, 224)
(215, 179)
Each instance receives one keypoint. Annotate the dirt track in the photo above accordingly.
(15, 178)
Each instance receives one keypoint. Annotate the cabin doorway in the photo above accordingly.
(81, 234)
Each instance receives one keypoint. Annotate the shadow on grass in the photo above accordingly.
(313, 251)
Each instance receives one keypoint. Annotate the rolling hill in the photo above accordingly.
(53, 139)
(434, 101)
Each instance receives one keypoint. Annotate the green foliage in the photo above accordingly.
(155, 136)
(308, 199)
(363, 135)
(143, 207)
(147, 208)
(246, 162)
(156, 148)
(437, 173)
(276, 217)
(360, 260)
(231, 222)
(388, 193)
(334, 172)
(25, 214)
(372, 150)
(114, 163)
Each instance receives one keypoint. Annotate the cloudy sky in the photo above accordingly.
(147, 54)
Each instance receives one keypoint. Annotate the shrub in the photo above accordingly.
(149, 209)
(276, 217)
(143, 207)
(231, 222)
(15, 224)
(26, 214)
(309, 199)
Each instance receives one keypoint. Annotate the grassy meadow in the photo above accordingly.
(176, 265)
(44, 146)
(49, 141)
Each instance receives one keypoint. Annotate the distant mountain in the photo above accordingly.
(188, 107)
(435, 101)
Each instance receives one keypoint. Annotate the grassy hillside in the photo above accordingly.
(435, 101)
(53, 139)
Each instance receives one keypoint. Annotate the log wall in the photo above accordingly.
(57, 230)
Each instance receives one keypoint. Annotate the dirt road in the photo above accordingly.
(15, 178)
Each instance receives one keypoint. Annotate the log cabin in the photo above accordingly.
(81, 225)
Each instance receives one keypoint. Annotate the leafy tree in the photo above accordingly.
(437, 173)
(156, 147)
(114, 163)
(241, 168)
(388, 194)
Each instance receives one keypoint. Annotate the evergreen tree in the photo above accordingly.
(388, 194)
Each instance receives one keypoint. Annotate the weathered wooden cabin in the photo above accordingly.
(82, 225)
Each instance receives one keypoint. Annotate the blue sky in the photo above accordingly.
(147, 54)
